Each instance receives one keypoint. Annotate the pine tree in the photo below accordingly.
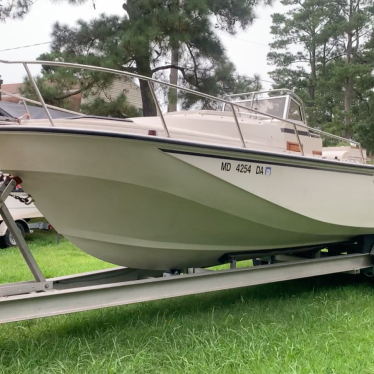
(145, 38)
(333, 74)
(16, 9)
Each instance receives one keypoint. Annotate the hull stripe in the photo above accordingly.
(360, 169)
(270, 162)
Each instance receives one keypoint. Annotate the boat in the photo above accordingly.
(192, 188)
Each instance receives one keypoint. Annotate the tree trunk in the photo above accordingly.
(313, 66)
(348, 86)
(143, 63)
(348, 90)
(149, 106)
(148, 103)
(173, 93)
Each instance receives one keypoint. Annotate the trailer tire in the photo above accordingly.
(7, 240)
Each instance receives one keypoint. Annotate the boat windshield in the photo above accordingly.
(295, 111)
(274, 106)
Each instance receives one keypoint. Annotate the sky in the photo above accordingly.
(247, 49)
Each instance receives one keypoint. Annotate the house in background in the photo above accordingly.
(125, 86)
(14, 88)
(120, 86)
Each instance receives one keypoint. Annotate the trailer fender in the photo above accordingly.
(24, 224)
(4, 228)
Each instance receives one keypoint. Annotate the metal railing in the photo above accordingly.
(151, 81)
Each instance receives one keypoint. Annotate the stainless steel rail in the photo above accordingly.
(289, 92)
(32, 80)
(159, 111)
(200, 94)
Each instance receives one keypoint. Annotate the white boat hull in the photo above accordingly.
(172, 205)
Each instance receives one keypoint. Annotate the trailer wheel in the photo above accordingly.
(7, 240)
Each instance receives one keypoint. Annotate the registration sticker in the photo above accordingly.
(268, 170)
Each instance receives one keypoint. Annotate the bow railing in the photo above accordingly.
(151, 82)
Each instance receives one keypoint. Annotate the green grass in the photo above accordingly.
(54, 259)
(318, 325)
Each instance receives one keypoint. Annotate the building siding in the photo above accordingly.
(120, 86)
(11, 88)
(75, 100)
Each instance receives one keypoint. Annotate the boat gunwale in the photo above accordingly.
(363, 169)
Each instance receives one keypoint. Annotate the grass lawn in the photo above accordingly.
(321, 325)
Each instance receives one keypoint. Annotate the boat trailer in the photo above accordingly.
(120, 286)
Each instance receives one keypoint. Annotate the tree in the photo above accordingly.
(356, 18)
(16, 9)
(308, 26)
(333, 74)
(142, 41)
(60, 85)
(304, 26)
(117, 108)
